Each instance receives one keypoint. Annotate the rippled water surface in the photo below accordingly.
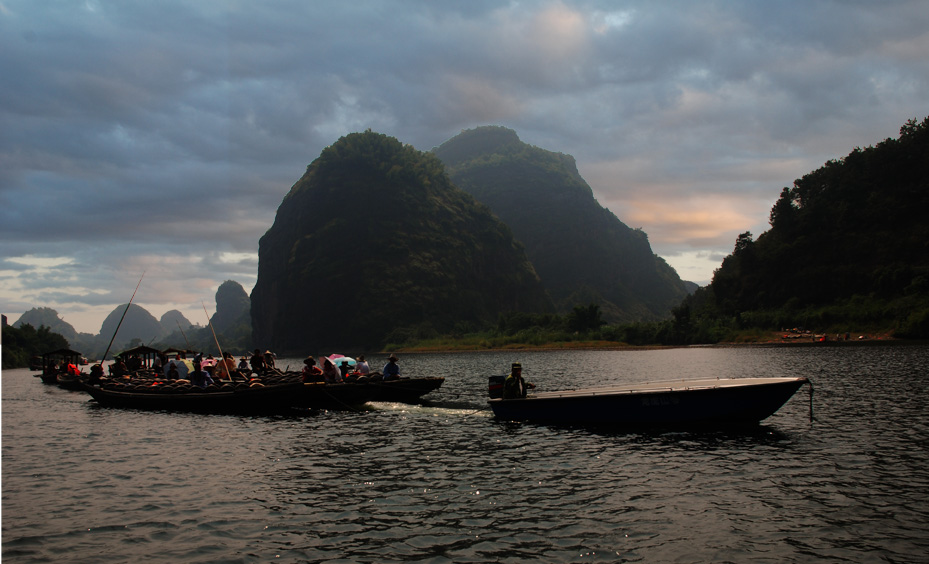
(445, 482)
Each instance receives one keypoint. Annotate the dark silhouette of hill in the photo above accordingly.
(48, 317)
(582, 251)
(138, 324)
(373, 244)
(233, 307)
(173, 320)
(848, 248)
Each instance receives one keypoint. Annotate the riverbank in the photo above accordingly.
(748, 338)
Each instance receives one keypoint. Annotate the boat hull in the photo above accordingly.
(352, 394)
(407, 390)
(729, 401)
(319, 395)
(258, 399)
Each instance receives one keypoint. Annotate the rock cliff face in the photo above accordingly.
(232, 306)
(374, 240)
(581, 251)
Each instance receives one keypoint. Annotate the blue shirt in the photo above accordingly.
(391, 370)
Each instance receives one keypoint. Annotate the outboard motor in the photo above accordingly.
(495, 386)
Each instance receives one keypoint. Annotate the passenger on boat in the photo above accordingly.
(118, 368)
(200, 378)
(158, 363)
(311, 372)
(257, 361)
(243, 364)
(361, 366)
(331, 374)
(96, 374)
(391, 370)
(173, 373)
(134, 363)
(515, 386)
(225, 368)
(344, 369)
(209, 364)
(269, 359)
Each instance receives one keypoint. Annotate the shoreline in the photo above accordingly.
(778, 341)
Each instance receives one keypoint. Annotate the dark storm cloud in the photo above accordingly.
(162, 136)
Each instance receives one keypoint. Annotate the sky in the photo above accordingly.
(156, 140)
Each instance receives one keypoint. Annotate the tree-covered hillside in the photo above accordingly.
(583, 253)
(374, 242)
(848, 247)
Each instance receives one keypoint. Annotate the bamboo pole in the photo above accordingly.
(125, 311)
(222, 357)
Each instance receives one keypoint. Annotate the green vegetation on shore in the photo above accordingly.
(22, 343)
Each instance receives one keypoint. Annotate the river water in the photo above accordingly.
(445, 482)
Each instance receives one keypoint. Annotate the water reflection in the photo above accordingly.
(443, 481)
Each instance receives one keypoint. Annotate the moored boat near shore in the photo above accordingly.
(669, 403)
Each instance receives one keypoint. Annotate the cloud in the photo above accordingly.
(164, 135)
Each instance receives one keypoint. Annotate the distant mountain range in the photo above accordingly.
(140, 327)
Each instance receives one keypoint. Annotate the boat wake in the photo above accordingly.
(439, 409)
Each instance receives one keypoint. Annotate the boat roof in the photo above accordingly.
(142, 349)
(62, 352)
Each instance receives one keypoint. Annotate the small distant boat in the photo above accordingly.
(60, 362)
(682, 402)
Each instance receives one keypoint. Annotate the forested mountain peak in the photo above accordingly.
(474, 143)
(582, 251)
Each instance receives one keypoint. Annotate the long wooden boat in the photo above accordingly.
(181, 396)
(671, 403)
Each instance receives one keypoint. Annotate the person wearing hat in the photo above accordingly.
(257, 361)
(269, 359)
(311, 372)
(331, 374)
(391, 370)
(514, 386)
(362, 366)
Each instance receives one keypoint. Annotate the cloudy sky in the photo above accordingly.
(161, 136)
